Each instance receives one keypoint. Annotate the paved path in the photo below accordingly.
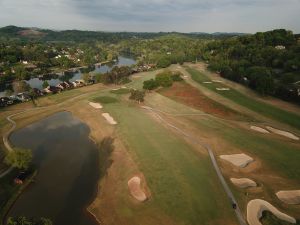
(213, 160)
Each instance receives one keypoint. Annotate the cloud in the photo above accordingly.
(153, 15)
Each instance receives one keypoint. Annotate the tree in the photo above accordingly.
(164, 79)
(19, 158)
(150, 84)
(20, 86)
(25, 221)
(85, 77)
(21, 73)
(176, 76)
(137, 95)
(45, 84)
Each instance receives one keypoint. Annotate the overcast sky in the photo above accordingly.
(153, 15)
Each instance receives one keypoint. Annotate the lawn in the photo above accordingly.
(105, 99)
(248, 102)
(183, 184)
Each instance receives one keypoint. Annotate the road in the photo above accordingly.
(213, 160)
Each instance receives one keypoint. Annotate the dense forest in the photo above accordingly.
(268, 62)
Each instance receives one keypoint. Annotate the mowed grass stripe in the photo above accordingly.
(183, 184)
(280, 156)
(248, 102)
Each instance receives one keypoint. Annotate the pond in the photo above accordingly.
(67, 163)
(54, 80)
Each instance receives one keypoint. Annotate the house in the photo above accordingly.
(21, 177)
(280, 47)
(37, 92)
(80, 83)
(52, 89)
(62, 86)
(5, 101)
(23, 97)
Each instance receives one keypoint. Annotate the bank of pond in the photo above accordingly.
(67, 165)
(70, 76)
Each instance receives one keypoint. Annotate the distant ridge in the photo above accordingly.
(34, 33)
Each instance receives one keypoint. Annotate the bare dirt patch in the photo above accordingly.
(259, 129)
(240, 160)
(191, 96)
(282, 133)
(109, 119)
(256, 207)
(289, 197)
(243, 182)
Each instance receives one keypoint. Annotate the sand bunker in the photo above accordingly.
(257, 206)
(109, 119)
(243, 182)
(217, 81)
(136, 76)
(95, 105)
(259, 129)
(207, 82)
(240, 160)
(223, 89)
(134, 185)
(289, 197)
(282, 133)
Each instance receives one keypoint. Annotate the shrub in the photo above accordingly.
(150, 84)
(164, 79)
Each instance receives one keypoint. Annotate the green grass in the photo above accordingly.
(120, 91)
(281, 156)
(183, 184)
(248, 102)
(269, 219)
(105, 99)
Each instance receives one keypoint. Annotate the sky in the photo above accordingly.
(247, 16)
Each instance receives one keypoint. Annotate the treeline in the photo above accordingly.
(23, 33)
(267, 62)
(164, 51)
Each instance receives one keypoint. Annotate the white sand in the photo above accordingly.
(223, 89)
(240, 160)
(289, 197)
(95, 105)
(207, 82)
(115, 89)
(243, 182)
(257, 206)
(259, 129)
(217, 81)
(134, 185)
(123, 87)
(109, 119)
(282, 133)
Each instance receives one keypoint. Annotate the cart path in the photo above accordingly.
(213, 160)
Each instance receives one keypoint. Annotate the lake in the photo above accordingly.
(38, 83)
(67, 163)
